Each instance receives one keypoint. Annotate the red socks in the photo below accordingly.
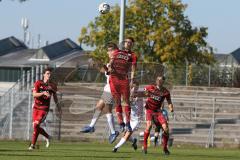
(119, 114)
(165, 137)
(146, 135)
(128, 113)
(36, 130)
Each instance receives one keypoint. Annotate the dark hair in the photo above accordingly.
(163, 77)
(131, 38)
(111, 45)
(47, 69)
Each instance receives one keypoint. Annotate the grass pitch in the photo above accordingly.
(12, 150)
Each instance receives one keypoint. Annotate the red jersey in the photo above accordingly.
(156, 97)
(43, 102)
(133, 58)
(122, 62)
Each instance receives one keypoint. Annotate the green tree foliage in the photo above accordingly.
(162, 32)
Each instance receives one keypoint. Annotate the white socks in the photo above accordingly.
(120, 143)
(96, 115)
(110, 121)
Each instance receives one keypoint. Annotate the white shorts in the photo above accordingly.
(135, 123)
(107, 98)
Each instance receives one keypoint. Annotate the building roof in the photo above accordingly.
(236, 55)
(17, 59)
(60, 53)
(58, 49)
(11, 44)
(221, 58)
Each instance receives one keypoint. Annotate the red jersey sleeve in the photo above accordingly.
(149, 88)
(36, 87)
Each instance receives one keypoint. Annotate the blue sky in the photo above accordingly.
(59, 19)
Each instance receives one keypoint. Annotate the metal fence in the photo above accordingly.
(207, 107)
(213, 113)
(193, 75)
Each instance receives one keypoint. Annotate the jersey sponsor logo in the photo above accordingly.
(156, 98)
(121, 56)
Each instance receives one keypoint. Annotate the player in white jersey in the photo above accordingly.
(106, 103)
(136, 117)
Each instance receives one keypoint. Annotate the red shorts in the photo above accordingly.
(38, 116)
(155, 116)
(119, 87)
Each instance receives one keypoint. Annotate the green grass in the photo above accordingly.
(12, 150)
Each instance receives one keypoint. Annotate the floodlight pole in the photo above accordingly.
(25, 25)
(122, 21)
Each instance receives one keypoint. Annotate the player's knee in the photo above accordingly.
(36, 124)
(127, 109)
(100, 105)
(119, 109)
(149, 126)
(165, 129)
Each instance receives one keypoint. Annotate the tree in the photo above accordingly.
(20, 0)
(162, 32)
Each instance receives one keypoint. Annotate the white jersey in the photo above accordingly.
(137, 108)
(107, 86)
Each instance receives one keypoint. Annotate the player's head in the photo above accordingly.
(47, 74)
(111, 46)
(135, 86)
(160, 80)
(128, 43)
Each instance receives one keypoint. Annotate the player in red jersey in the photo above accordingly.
(156, 94)
(128, 44)
(121, 62)
(42, 92)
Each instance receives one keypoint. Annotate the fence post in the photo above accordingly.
(37, 73)
(32, 77)
(23, 79)
(28, 80)
(29, 114)
(60, 120)
(213, 121)
(11, 115)
(232, 76)
(186, 76)
(209, 76)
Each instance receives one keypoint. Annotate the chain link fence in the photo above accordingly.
(16, 109)
(184, 75)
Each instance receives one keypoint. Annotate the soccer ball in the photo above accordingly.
(104, 8)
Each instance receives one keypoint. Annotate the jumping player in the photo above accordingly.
(120, 64)
(136, 117)
(106, 101)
